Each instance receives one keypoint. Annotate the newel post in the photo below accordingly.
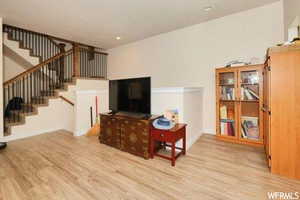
(76, 60)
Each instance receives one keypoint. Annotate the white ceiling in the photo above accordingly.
(99, 22)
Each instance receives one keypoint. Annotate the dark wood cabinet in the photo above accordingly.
(127, 133)
(110, 131)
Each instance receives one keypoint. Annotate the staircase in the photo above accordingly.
(39, 45)
(56, 69)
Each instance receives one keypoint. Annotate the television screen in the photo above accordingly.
(130, 95)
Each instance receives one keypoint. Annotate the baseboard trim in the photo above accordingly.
(209, 131)
(25, 135)
(194, 140)
(81, 132)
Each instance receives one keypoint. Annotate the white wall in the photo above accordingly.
(11, 68)
(291, 14)
(84, 100)
(83, 95)
(188, 102)
(1, 81)
(187, 57)
(57, 115)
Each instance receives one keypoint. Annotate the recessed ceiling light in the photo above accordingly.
(208, 8)
(118, 38)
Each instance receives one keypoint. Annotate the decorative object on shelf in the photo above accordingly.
(163, 123)
(3, 145)
(172, 115)
(237, 63)
(296, 41)
(293, 33)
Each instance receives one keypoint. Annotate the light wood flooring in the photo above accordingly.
(59, 166)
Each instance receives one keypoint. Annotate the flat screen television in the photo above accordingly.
(130, 95)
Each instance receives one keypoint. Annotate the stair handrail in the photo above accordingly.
(33, 32)
(34, 68)
(58, 39)
(67, 100)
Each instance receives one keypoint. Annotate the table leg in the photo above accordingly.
(173, 154)
(184, 143)
(151, 148)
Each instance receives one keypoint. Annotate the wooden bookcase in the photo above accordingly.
(282, 110)
(239, 103)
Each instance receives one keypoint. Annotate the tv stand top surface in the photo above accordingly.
(140, 116)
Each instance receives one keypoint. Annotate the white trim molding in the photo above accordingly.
(91, 91)
(176, 89)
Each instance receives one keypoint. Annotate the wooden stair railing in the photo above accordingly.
(33, 86)
(93, 64)
(67, 100)
(40, 45)
(88, 62)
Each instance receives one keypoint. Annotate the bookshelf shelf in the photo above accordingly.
(239, 102)
(225, 100)
(226, 85)
(250, 101)
(249, 83)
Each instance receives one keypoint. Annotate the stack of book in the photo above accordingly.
(227, 124)
(227, 93)
(250, 129)
(227, 127)
(248, 94)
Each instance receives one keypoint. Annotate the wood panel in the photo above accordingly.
(110, 131)
(285, 113)
(135, 137)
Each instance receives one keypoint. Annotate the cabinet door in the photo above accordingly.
(110, 131)
(226, 94)
(250, 89)
(135, 137)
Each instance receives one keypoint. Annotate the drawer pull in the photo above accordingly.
(161, 135)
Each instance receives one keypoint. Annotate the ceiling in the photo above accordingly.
(99, 22)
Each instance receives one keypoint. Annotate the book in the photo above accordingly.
(243, 132)
(250, 127)
(227, 93)
(229, 131)
(247, 94)
(253, 93)
(223, 112)
(242, 93)
(222, 128)
(227, 127)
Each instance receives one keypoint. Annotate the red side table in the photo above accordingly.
(169, 139)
